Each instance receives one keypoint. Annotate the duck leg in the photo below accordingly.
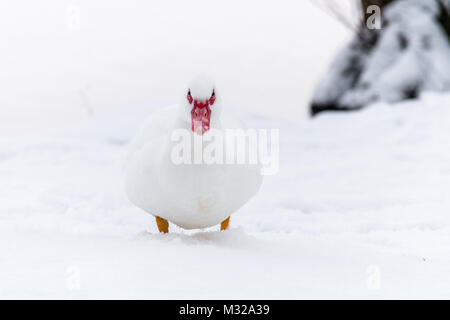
(163, 224)
(224, 224)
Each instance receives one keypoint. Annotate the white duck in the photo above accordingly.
(191, 196)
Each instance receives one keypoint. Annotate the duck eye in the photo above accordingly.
(213, 98)
(189, 92)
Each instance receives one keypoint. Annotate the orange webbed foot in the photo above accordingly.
(163, 224)
(224, 224)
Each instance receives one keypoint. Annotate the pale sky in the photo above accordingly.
(62, 58)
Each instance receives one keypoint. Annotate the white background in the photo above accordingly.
(61, 58)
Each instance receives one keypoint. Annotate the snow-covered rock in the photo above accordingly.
(409, 55)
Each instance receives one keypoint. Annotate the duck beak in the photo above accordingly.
(201, 116)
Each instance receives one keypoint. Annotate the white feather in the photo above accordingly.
(190, 195)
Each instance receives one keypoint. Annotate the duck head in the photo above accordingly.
(202, 104)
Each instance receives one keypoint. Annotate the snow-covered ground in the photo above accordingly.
(359, 209)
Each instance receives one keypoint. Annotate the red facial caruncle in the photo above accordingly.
(201, 112)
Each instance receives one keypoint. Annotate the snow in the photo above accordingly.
(359, 209)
